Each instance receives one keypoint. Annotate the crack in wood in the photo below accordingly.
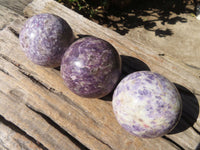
(34, 80)
(192, 66)
(161, 54)
(21, 132)
(59, 128)
(10, 60)
(98, 139)
(73, 104)
(173, 143)
(52, 90)
(14, 32)
(4, 71)
(59, 94)
(198, 132)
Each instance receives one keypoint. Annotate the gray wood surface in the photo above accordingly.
(15, 5)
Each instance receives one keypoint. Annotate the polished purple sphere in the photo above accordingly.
(44, 39)
(91, 67)
(146, 104)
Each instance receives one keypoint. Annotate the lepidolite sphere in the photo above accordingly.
(147, 104)
(91, 67)
(44, 39)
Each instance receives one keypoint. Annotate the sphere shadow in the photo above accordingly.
(190, 110)
(198, 147)
(57, 68)
(129, 65)
(79, 36)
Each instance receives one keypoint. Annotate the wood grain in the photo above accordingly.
(15, 5)
(25, 128)
(19, 113)
(34, 98)
(168, 66)
(12, 137)
(91, 121)
(179, 72)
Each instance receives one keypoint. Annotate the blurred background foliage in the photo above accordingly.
(123, 15)
(91, 8)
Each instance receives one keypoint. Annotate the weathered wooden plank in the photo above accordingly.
(14, 110)
(179, 72)
(7, 16)
(91, 121)
(11, 138)
(15, 96)
(15, 5)
(175, 70)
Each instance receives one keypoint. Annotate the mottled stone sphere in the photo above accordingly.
(44, 39)
(147, 104)
(91, 67)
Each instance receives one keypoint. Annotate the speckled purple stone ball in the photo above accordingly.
(91, 67)
(44, 39)
(147, 104)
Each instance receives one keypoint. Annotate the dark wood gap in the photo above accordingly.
(14, 32)
(22, 132)
(173, 142)
(59, 128)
